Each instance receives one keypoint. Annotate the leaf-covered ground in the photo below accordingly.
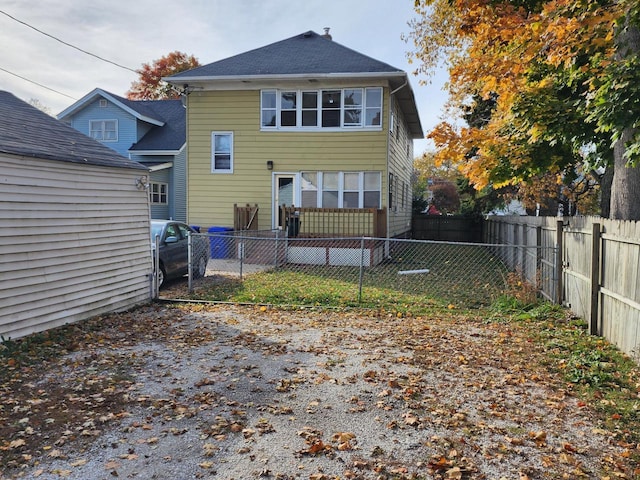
(248, 392)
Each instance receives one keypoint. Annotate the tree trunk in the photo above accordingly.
(625, 188)
(605, 192)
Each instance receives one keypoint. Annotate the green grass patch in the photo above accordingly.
(413, 276)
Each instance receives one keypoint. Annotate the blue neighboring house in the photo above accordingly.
(152, 132)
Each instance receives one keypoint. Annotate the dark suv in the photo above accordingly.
(174, 248)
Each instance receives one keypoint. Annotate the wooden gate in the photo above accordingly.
(245, 218)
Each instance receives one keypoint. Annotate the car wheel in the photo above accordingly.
(201, 267)
(162, 275)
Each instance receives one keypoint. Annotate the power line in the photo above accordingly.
(36, 83)
(67, 44)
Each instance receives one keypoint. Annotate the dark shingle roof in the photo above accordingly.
(304, 54)
(167, 117)
(172, 135)
(27, 131)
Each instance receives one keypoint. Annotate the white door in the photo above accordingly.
(284, 194)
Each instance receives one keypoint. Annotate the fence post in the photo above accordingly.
(595, 280)
(361, 269)
(539, 256)
(190, 261)
(515, 247)
(241, 255)
(558, 266)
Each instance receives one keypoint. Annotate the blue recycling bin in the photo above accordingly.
(220, 242)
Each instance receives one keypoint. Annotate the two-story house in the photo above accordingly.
(304, 122)
(151, 132)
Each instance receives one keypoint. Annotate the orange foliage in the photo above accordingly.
(495, 48)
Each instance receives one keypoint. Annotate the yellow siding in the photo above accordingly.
(401, 165)
(211, 196)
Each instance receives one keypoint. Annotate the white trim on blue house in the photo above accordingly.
(98, 92)
(162, 166)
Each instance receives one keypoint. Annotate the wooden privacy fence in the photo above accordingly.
(594, 268)
(446, 228)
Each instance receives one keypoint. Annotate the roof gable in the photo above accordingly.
(137, 109)
(168, 118)
(27, 131)
(304, 54)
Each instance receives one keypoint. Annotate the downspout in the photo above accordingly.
(185, 100)
(391, 94)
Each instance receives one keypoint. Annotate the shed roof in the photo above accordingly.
(27, 131)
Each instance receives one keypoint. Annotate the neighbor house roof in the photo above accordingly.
(306, 56)
(27, 131)
(172, 135)
(167, 116)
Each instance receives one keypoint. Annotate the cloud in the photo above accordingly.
(135, 32)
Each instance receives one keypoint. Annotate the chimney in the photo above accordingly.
(326, 33)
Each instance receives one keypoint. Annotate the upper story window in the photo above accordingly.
(348, 108)
(221, 152)
(104, 130)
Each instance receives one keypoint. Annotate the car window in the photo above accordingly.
(172, 231)
(184, 230)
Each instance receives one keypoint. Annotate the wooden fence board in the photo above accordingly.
(600, 282)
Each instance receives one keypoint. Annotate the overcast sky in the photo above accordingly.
(133, 32)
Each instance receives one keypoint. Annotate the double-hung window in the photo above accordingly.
(310, 109)
(158, 193)
(104, 130)
(288, 109)
(347, 108)
(352, 113)
(340, 189)
(222, 152)
(268, 105)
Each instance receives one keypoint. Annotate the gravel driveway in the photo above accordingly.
(228, 392)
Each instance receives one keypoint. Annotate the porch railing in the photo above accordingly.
(335, 222)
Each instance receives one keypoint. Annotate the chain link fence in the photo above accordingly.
(465, 274)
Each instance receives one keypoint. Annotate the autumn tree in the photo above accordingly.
(553, 85)
(150, 86)
(445, 197)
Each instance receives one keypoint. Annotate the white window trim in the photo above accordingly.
(213, 163)
(319, 128)
(91, 129)
(166, 194)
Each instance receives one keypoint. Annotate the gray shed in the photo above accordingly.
(74, 224)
